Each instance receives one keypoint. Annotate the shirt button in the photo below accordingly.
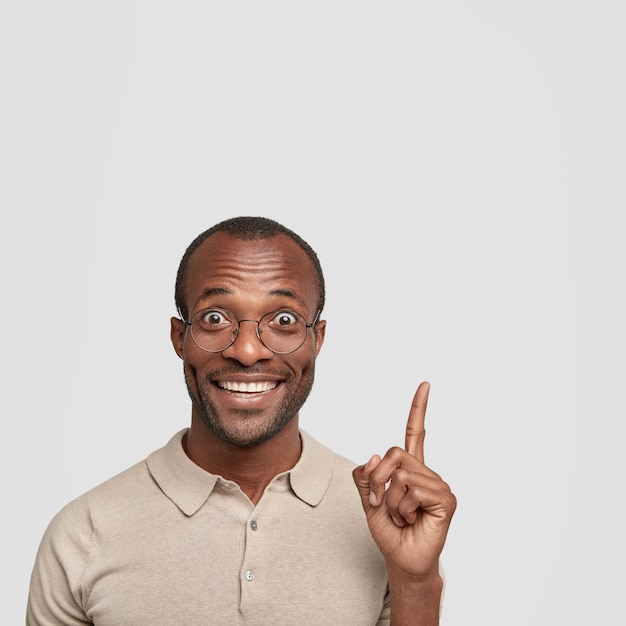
(249, 575)
(254, 525)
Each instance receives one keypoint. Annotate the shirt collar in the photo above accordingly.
(189, 486)
(311, 475)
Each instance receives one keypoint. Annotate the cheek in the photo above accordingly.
(190, 376)
(197, 360)
(303, 367)
(193, 375)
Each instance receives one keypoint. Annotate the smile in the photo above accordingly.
(251, 387)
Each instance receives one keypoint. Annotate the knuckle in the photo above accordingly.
(376, 480)
(420, 433)
(400, 475)
(395, 454)
(453, 502)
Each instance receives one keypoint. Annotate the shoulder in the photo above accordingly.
(77, 517)
(116, 498)
(311, 444)
(321, 453)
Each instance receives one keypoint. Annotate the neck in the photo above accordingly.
(251, 468)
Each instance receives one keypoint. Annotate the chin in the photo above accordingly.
(249, 435)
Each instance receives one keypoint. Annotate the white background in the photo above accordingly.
(459, 168)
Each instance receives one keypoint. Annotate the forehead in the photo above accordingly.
(259, 269)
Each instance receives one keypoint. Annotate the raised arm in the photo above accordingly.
(408, 509)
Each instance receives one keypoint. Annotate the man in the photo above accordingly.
(243, 518)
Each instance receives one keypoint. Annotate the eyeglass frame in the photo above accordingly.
(259, 332)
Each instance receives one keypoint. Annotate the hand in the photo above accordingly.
(407, 505)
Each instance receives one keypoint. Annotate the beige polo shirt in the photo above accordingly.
(167, 544)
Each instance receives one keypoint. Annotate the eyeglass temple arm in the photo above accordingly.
(182, 317)
(314, 319)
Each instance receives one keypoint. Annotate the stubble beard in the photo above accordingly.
(249, 435)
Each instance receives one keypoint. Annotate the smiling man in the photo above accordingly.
(243, 518)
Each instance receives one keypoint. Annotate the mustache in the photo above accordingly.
(254, 369)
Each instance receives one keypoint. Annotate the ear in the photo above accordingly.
(319, 332)
(177, 335)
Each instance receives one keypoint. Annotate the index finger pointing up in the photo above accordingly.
(415, 431)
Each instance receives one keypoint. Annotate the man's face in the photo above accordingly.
(250, 279)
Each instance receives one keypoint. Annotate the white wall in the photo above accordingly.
(459, 168)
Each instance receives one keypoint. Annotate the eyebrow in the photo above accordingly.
(286, 293)
(215, 291)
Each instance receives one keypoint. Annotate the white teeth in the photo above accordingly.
(252, 387)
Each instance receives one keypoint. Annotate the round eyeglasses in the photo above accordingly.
(282, 331)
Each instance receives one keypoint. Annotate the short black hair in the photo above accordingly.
(246, 228)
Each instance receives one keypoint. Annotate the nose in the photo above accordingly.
(247, 347)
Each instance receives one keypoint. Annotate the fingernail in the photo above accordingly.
(373, 500)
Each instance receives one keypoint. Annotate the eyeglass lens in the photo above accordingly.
(282, 331)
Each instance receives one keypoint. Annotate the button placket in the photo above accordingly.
(253, 526)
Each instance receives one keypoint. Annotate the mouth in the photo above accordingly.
(252, 387)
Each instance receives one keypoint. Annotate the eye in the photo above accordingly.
(214, 318)
(284, 318)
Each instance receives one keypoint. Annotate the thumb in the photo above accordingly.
(361, 476)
